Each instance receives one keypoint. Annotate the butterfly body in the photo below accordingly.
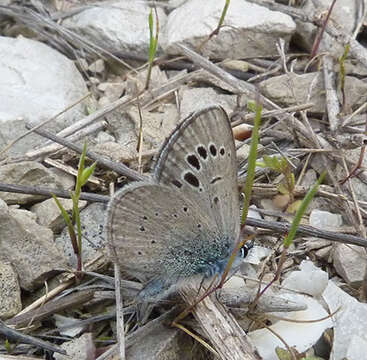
(185, 222)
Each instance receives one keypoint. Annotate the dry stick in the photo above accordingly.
(119, 305)
(54, 292)
(280, 227)
(332, 101)
(50, 149)
(273, 113)
(52, 307)
(47, 192)
(319, 38)
(19, 337)
(119, 168)
(362, 229)
(228, 338)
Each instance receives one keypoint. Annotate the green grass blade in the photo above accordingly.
(251, 163)
(301, 210)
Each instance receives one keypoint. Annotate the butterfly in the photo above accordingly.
(184, 222)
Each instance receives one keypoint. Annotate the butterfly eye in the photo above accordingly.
(222, 151)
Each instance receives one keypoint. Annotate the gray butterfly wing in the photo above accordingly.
(155, 233)
(199, 161)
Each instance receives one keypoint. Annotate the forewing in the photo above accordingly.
(199, 161)
(153, 232)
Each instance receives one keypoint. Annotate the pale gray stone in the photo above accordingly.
(309, 179)
(49, 214)
(81, 348)
(10, 301)
(37, 82)
(93, 237)
(248, 29)
(66, 180)
(28, 173)
(156, 125)
(350, 263)
(117, 26)
(310, 279)
(97, 66)
(349, 322)
(325, 220)
(28, 246)
(292, 89)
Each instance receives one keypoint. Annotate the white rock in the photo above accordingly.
(310, 280)
(325, 220)
(299, 335)
(349, 324)
(117, 26)
(248, 29)
(37, 82)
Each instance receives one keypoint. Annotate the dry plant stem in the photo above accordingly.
(264, 191)
(360, 160)
(49, 149)
(70, 170)
(281, 262)
(223, 331)
(332, 101)
(70, 280)
(272, 113)
(325, 161)
(357, 51)
(241, 87)
(47, 192)
(318, 39)
(362, 229)
(120, 328)
(49, 308)
(119, 168)
(308, 231)
(19, 337)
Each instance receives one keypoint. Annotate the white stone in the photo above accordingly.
(248, 29)
(37, 82)
(349, 323)
(299, 334)
(325, 220)
(310, 279)
(117, 26)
